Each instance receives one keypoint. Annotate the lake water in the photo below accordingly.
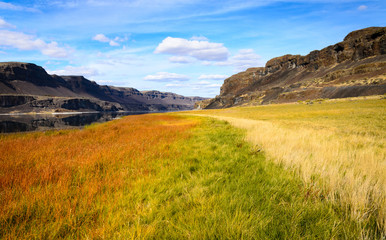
(43, 122)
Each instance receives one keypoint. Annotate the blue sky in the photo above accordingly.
(184, 46)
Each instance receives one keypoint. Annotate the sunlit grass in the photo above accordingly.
(337, 147)
(158, 177)
(63, 183)
(221, 188)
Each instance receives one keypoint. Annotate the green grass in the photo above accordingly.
(337, 147)
(220, 188)
(208, 183)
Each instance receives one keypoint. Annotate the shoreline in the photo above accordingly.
(77, 113)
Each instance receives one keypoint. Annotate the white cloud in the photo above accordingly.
(101, 38)
(213, 77)
(10, 6)
(362, 7)
(114, 43)
(23, 41)
(4, 24)
(122, 39)
(245, 58)
(201, 50)
(166, 77)
(180, 59)
(78, 71)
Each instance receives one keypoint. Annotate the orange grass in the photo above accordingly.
(67, 178)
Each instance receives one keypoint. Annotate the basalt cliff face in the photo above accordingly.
(354, 67)
(26, 87)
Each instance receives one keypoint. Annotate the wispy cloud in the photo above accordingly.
(205, 84)
(212, 77)
(202, 87)
(202, 45)
(196, 85)
(78, 71)
(201, 50)
(102, 38)
(10, 6)
(166, 77)
(4, 24)
(23, 41)
(245, 58)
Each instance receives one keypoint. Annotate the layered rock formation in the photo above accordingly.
(26, 87)
(354, 67)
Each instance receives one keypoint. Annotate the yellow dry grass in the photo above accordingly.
(337, 147)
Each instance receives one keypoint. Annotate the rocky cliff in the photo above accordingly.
(354, 67)
(26, 87)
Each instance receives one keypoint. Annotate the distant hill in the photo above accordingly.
(26, 87)
(354, 67)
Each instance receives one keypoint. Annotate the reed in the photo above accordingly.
(59, 184)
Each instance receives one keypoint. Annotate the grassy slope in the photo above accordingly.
(337, 147)
(152, 177)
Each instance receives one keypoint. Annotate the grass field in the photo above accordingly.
(172, 176)
(337, 147)
(65, 184)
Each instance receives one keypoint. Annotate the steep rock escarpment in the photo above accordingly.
(32, 103)
(168, 100)
(130, 98)
(28, 72)
(30, 79)
(26, 87)
(354, 67)
(12, 100)
(124, 96)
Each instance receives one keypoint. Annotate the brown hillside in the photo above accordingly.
(26, 87)
(353, 67)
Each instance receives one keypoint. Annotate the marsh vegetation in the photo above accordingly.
(286, 172)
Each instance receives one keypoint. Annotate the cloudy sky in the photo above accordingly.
(183, 46)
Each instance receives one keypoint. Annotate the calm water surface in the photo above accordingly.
(43, 122)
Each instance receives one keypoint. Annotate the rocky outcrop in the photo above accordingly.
(124, 96)
(21, 103)
(168, 101)
(28, 72)
(12, 100)
(28, 87)
(354, 67)
(130, 98)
